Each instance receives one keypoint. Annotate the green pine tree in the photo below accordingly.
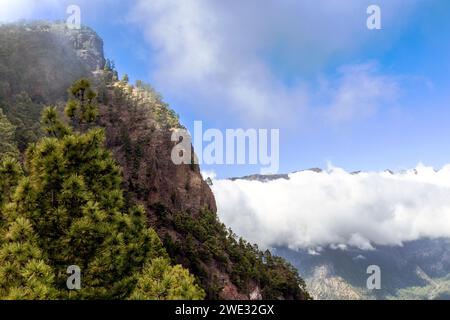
(24, 274)
(70, 210)
(82, 105)
(125, 79)
(10, 174)
(160, 281)
(8, 147)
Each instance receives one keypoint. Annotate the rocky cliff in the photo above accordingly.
(41, 60)
(38, 62)
(180, 204)
(142, 144)
(47, 48)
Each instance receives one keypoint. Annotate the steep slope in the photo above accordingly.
(138, 126)
(38, 62)
(417, 269)
(179, 202)
(324, 284)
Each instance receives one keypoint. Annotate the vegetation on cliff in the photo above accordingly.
(226, 266)
(65, 207)
(95, 187)
(8, 147)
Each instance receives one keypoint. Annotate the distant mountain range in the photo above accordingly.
(270, 177)
(417, 270)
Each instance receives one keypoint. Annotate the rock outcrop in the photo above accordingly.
(147, 167)
(86, 43)
(42, 60)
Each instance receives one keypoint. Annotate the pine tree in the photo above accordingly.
(8, 147)
(10, 174)
(53, 126)
(160, 281)
(70, 210)
(82, 106)
(75, 204)
(107, 65)
(23, 272)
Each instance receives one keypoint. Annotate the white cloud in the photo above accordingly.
(209, 174)
(360, 91)
(22, 9)
(228, 54)
(202, 55)
(338, 208)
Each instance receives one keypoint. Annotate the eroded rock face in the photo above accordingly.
(144, 151)
(256, 294)
(43, 59)
(180, 188)
(85, 41)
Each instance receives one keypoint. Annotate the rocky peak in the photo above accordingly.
(85, 41)
(32, 52)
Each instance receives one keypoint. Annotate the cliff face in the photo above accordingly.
(142, 145)
(143, 148)
(180, 204)
(38, 62)
(43, 59)
(86, 43)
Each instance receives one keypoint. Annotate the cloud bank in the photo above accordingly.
(338, 208)
(248, 59)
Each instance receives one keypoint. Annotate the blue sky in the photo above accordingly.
(360, 99)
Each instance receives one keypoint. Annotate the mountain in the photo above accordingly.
(40, 60)
(270, 177)
(418, 269)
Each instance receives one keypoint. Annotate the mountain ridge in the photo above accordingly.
(137, 123)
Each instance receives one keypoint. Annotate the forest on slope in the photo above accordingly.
(91, 184)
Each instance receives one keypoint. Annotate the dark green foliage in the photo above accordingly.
(10, 174)
(53, 125)
(198, 241)
(108, 65)
(159, 280)
(8, 147)
(82, 108)
(24, 115)
(37, 64)
(69, 210)
(68, 202)
(23, 272)
(206, 238)
(37, 60)
(111, 72)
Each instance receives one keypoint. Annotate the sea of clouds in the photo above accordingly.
(338, 208)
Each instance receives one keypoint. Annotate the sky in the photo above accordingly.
(344, 98)
(339, 93)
